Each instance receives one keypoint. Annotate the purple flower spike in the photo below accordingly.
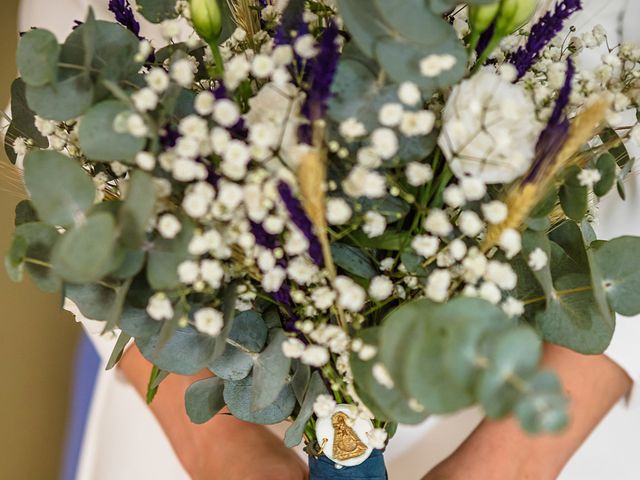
(321, 75)
(263, 238)
(549, 25)
(555, 133)
(123, 12)
(300, 220)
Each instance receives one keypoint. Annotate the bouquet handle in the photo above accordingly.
(373, 468)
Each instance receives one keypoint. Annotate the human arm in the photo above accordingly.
(224, 448)
(502, 450)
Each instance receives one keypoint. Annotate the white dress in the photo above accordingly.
(123, 441)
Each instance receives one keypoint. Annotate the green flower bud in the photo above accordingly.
(514, 14)
(510, 15)
(480, 17)
(206, 19)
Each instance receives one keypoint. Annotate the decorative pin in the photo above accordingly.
(343, 436)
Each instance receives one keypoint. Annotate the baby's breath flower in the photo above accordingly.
(537, 259)
(209, 321)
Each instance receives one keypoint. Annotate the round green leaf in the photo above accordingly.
(166, 255)
(185, 353)
(233, 364)
(64, 100)
(544, 408)
(239, 397)
(84, 254)
(22, 121)
(40, 239)
(136, 323)
(204, 399)
(606, 165)
(93, 300)
(295, 432)
(353, 260)
(13, 262)
(37, 57)
(158, 10)
(513, 353)
(573, 318)
(618, 267)
(60, 190)
(98, 139)
(270, 372)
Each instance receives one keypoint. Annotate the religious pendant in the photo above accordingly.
(343, 436)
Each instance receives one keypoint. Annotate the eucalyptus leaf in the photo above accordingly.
(353, 260)
(573, 318)
(64, 100)
(137, 209)
(22, 121)
(136, 323)
(37, 57)
(25, 213)
(512, 353)
(84, 253)
(300, 379)
(99, 141)
(295, 432)
(229, 297)
(239, 397)
(399, 34)
(389, 240)
(618, 266)
(606, 165)
(65, 200)
(166, 255)
(14, 259)
(93, 300)
(573, 196)
(40, 239)
(118, 350)
(233, 364)
(185, 353)
(204, 399)
(544, 407)
(270, 372)
(157, 11)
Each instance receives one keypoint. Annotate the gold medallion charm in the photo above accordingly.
(346, 443)
(343, 436)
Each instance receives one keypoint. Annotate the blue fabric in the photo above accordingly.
(372, 468)
(87, 364)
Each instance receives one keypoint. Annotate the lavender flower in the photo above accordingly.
(321, 74)
(124, 15)
(563, 95)
(263, 238)
(553, 136)
(542, 33)
(300, 220)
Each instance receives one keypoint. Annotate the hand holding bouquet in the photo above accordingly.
(353, 213)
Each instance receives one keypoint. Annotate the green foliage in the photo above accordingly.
(204, 399)
(389, 240)
(68, 98)
(606, 165)
(399, 34)
(239, 398)
(353, 260)
(37, 57)
(22, 121)
(84, 254)
(295, 432)
(25, 213)
(137, 209)
(136, 323)
(246, 338)
(166, 255)
(618, 267)
(13, 262)
(270, 372)
(98, 139)
(40, 239)
(157, 10)
(447, 356)
(65, 200)
(573, 196)
(186, 352)
(94, 301)
(386, 403)
(118, 350)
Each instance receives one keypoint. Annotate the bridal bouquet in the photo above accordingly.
(354, 213)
